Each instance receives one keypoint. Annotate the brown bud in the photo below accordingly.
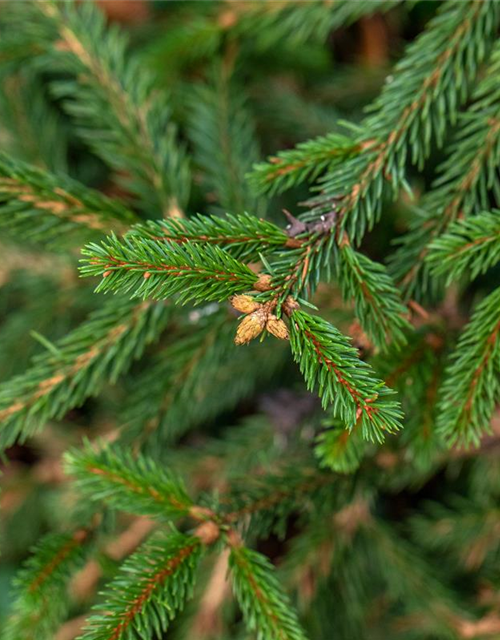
(245, 304)
(207, 532)
(290, 305)
(263, 283)
(277, 327)
(250, 327)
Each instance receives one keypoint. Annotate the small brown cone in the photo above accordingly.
(250, 327)
(290, 305)
(277, 327)
(263, 283)
(245, 304)
(207, 532)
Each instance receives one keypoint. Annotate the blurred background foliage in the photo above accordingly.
(244, 80)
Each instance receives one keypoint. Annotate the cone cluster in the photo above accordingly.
(258, 317)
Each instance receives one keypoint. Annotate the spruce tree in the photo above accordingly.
(250, 320)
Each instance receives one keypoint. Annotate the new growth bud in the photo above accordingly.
(245, 304)
(263, 283)
(259, 317)
(251, 326)
(277, 327)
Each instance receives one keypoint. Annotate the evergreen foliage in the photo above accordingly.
(128, 483)
(331, 365)
(118, 109)
(244, 236)
(471, 386)
(150, 589)
(306, 161)
(222, 133)
(158, 270)
(41, 586)
(264, 432)
(265, 607)
(59, 205)
(470, 247)
(461, 187)
(67, 373)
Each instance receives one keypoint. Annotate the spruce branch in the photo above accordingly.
(266, 608)
(305, 162)
(130, 483)
(96, 352)
(304, 260)
(416, 373)
(271, 474)
(265, 504)
(297, 269)
(455, 42)
(461, 189)
(224, 141)
(41, 587)
(160, 404)
(377, 301)
(471, 387)
(465, 521)
(34, 129)
(297, 24)
(469, 246)
(244, 236)
(151, 587)
(159, 270)
(135, 136)
(338, 449)
(412, 580)
(332, 366)
(46, 207)
(205, 364)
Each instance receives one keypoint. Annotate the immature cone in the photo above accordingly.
(277, 327)
(250, 327)
(263, 283)
(207, 532)
(290, 305)
(245, 304)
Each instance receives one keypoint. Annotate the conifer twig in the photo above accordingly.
(47, 207)
(469, 246)
(244, 236)
(471, 384)
(330, 364)
(265, 607)
(151, 587)
(136, 135)
(462, 185)
(307, 161)
(42, 586)
(97, 351)
(159, 270)
(134, 484)
(454, 40)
